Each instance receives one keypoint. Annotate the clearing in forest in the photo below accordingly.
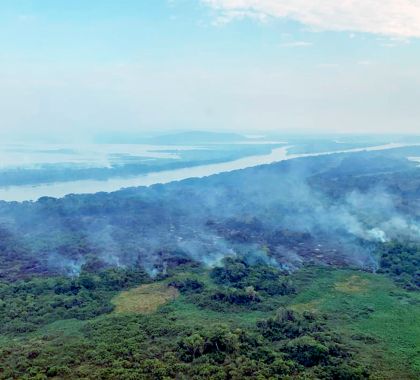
(354, 284)
(144, 299)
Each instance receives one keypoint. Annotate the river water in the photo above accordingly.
(60, 189)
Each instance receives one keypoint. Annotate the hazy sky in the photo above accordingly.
(73, 67)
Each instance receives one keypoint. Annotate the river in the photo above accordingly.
(60, 189)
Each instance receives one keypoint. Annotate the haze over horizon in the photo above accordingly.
(75, 69)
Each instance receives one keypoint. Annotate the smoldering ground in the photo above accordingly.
(332, 209)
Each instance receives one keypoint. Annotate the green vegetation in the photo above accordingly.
(241, 286)
(28, 305)
(382, 319)
(318, 323)
(401, 261)
(144, 299)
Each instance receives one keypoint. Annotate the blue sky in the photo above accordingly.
(78, 67)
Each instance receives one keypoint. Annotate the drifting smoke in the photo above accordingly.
(69, 267)
(284, 215)
(377, 235)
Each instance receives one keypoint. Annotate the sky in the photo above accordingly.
(78, 68)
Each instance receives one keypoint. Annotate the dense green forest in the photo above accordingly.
(402, 263)
(235, 321)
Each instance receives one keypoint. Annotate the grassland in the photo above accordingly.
(144, 299)
(383, 318)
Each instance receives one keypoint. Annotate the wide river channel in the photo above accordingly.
(60, 189)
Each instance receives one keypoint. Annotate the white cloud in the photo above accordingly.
(226, 17)
(397, 18)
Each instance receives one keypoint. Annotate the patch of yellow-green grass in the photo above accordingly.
(354, 284)
(144, 299)
(311, 306)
